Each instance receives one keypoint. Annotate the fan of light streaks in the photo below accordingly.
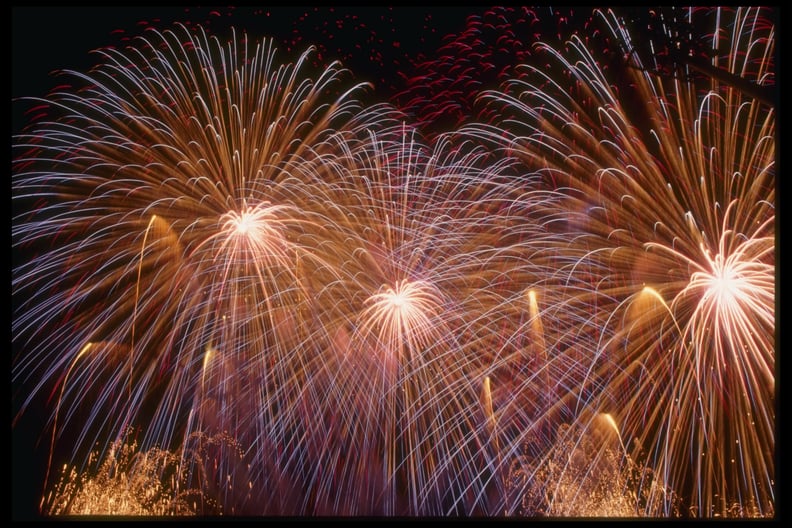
(673, 215)
(439, 240)
(130, 483)
(179, 211)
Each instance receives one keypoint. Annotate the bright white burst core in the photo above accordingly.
(725, 281)
(254, 223)
(408, 297)
(408, 310)
(243, 223)
(398, 299)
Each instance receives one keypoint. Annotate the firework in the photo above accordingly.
(440, 89)
(131, 483)
(214, 242)
(442, 254)
(670, 195)
(585, 473)
(175, 230)
(211, 243)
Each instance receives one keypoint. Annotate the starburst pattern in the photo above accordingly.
(566, 311)
(177, 234)
(675, 218)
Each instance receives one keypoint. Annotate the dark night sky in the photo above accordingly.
(47, 38)
(398, 49)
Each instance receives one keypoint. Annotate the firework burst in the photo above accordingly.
(175, 226)
(436, 244)
(215, 244)
(210, 243)
(670, 186)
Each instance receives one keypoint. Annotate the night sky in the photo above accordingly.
(45, 39)
(429, 61)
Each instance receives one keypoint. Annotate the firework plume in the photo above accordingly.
(176, 221)
(670, 196)
(241, 289)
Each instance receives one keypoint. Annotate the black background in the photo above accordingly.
(45, 39)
